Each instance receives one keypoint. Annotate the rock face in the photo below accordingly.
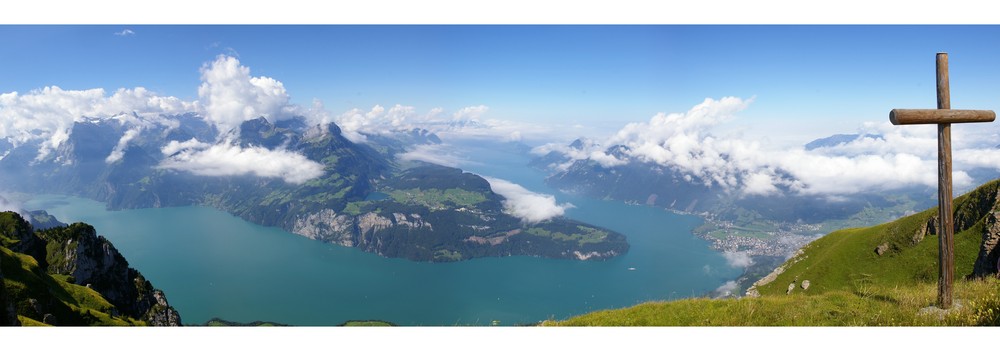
(583, 256)
(805, 285)
(988, 261)
(161, 314)
(929, 228)
(353, 231)
(78, 251)
(326, 225)
(371, 223)
(881, 249)
(76, 254)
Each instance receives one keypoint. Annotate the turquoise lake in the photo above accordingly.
(212, 264)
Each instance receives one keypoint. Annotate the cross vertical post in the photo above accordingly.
(943, 116)
(946, 228)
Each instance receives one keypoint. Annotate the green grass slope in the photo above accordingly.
(873, 305)
(849, 283)
(27, 284)
(846, 259)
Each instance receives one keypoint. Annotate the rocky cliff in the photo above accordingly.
(988, 260)
(79, 262)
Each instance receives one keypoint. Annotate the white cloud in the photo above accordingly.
(522, 203)
(438, 154)
(605, 160)
(466, 123)
(433, 113)
(7, 205)
(470, 123)
(227, 159)
(175, 146)
(513, 136)
(399, 114)
(760, 184)
(738, 259)
(977, 158)
(352, 123)
(48, 114)
(730, 288)
(119, 151)
(470, 113)
(125, 33)
(901, 157)
(230, 95)
(355, 123)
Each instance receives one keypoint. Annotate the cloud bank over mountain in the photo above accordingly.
(229, 159)
(47, 114)
(901, 157)
(691, 141)
(529, 206)
(437, 154)
(230, 95)
(738, 259)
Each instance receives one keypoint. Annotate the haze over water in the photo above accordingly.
(212, 264)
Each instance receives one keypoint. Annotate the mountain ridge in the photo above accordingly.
(324, 194)
(69, 275)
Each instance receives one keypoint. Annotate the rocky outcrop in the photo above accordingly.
(881, 249)
(771, 277)
(583, 256)
(988, 262)
(414, 221)
(371, 223)
(328, 226)
(353, 231)
(805, 285)
(979, 203)
(161, 314)
(91, 260)
(493, 240)
(929, 228)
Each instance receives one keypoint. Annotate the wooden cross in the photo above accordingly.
(943, 116)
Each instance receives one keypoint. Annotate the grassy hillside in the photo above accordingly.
(870, 305)
(70, 304)
(849, 282)
(847, 259)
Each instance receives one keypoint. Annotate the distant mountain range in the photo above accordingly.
(654, 184)
(838, 139)
(767, 227)
(308, 180)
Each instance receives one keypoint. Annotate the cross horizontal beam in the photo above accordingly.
(901, 116)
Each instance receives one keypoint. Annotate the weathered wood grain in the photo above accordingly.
(901, 116)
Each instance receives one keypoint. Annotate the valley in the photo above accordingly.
(431, 212)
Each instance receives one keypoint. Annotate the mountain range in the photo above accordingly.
(765, 229)
(308, 180)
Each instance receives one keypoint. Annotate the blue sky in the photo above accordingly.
(813, 80)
